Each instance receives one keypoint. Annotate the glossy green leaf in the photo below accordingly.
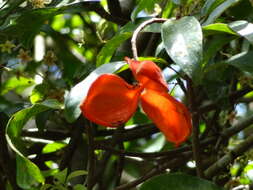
(183, 42)
(217, 28)
(219, 10)
(53, 147)
(242, 61)
(79, 91)
(243, 28)
(178, 181)
(13, 136)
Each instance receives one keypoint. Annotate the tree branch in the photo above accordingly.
(76, 135)
(91, 155)
(195, 130)
(237, 127)
(229, 157)
(155, 171)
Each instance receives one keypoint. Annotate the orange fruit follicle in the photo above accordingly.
(110, 101)
(169, 115)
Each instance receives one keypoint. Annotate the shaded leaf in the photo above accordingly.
(13, 136)
(79, 91)
(174, 182)
(106, 53)
(28, 174)
(242, 61)
(76, 174)
(209, 6)
(183, 42)
(219, 10)
(61, 176)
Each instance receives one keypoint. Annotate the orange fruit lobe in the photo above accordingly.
(169, 115)
(110, 101)
(148, 74)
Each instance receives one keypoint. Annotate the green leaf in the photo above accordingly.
(61, 176)
(154, 144)
(53, 147)
(19, 84)
(26, 28)
(243, 28)
(76, 174)
(28, 174)
(215, 45)
(183, 42)
(106, 53)
(217, 28)
(219, 10)
(209, 6)
(143, 4)
(242, 61)
(13, 136)
(38, 93)
(178, 181)
(79, 91)
(79, 187)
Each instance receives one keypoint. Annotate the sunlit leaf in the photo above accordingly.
(243, 28)
(183, 42)
(52, 147)
(19, 84)
(217, 28)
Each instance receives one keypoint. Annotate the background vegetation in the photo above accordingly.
(50, 51)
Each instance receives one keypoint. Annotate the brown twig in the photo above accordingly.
(153, 155)
(229, 157)
(155, 171)
(91, 155)
(195, 130)
(75, 137)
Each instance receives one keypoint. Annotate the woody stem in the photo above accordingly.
(138, 30)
